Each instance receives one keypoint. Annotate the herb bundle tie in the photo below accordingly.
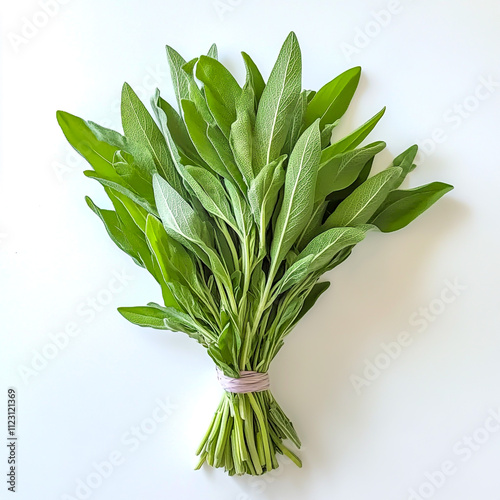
(249, 381)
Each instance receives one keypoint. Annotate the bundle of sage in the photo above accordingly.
(236, 203)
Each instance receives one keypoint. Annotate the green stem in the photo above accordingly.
(221, 441)
(230, 243)
(250, 439)
(205, 437)
(246, 433)
(263, 428)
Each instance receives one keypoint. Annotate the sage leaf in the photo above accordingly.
(177, 130)
(295, 273)
(145, 316)
(241, 210)
(211, 193)
(199, 132)
(277, 103)
(263, 194)
(134, 175)
(229, 345)
(196, 95)
(118, 186)
(297, 122)
(403, 206)
(213, 52)
(300, 184)
(362, 203)
(139, 126)
(179, 77)
(354, 139)
(221, 91)
(113, 227)
(223, 150)
(326, 245)
(326, 134)
(254, 78)
(96, 144)
(336, 196)
(212, 146)
(342, 170)
(179, 219)
(313, 224)
(174, 262)
(137, 213)
(241, 135)
(332, 100)
(405, 162)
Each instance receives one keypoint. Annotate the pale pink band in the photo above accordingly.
(248, 382)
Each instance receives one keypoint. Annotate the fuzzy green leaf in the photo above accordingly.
(405, 162)
(300, 183)
(327, 244)
(213, 52)
(198, 130)
(277, 103)
(332, 100)
(263, 194)
(342, 170)
(96, 144)
(179, 219)
(363, 202)
(179, 77)
(115, 230)
(144, 316)
(140, 127)
(177, 130)
(403, 206)
(211, 193)
(354, 139)
(254, 77)
(221, 91)
(241, 136)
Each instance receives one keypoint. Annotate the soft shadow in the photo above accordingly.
(380, 281)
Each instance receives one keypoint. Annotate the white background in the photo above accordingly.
(371, 440)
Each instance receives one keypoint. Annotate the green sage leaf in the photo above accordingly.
(363, 202)
(300, 183)
(277, 103)
(403, 206)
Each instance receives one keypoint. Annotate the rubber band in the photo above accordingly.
(249, 381)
